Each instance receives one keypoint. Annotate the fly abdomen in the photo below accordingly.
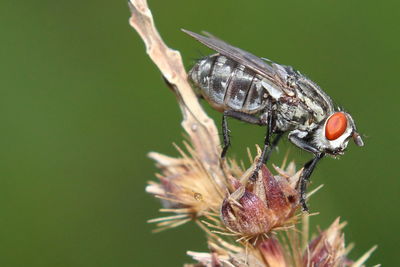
(211, 76)
(227, 85)
(256, 96)
(200, 74)
(238, 88)
(220, 78)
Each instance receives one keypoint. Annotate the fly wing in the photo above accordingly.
(243, 57)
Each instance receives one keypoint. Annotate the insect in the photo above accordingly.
(258, 91)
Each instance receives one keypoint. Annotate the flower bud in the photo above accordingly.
(258, 207)
(272, 252)
(220, 258)
(327, 249)
(244, 212)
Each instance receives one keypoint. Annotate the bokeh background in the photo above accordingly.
(81, 105)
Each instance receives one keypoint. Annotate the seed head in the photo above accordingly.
(272, 252)
(326, 250)
(257, 207)
(185, 188)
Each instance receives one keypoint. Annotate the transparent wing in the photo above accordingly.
(243, 57)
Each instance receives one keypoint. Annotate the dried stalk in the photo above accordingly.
(200, 128)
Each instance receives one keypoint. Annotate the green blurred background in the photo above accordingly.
(81, 105)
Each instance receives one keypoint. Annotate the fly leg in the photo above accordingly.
(266, 149)
(225, 135)
(305, 178)
(273, 145)
(237, 115)
(253, 120)
(299, 138)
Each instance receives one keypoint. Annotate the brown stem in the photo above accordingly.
(200, 128)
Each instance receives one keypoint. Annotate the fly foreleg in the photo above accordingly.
(305, 178)
(300, 139)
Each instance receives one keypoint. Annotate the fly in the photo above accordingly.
(258, 91)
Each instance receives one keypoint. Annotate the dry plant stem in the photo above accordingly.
(200, 128)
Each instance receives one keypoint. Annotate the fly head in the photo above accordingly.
(334, 133)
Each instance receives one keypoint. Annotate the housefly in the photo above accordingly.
(258, 91)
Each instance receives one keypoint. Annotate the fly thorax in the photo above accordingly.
(314, 98)
(292, 114)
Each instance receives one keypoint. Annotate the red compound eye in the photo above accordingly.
(335, 126)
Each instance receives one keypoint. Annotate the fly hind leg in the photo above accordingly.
(225, 135)
(239, 116)
(253, 120)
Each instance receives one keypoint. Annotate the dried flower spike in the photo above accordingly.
(196, 186)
